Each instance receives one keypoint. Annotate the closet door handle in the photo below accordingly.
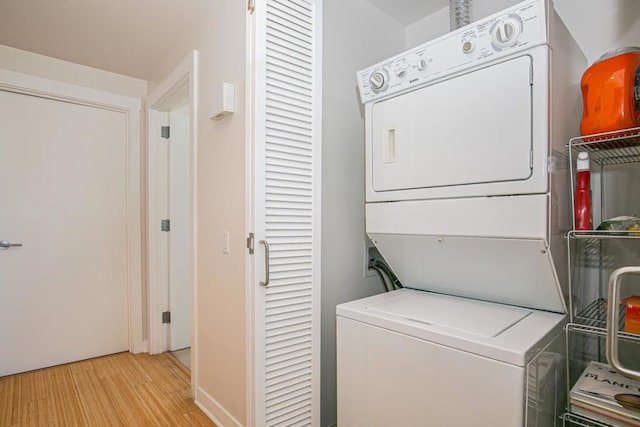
(613, 321)
(266, 263)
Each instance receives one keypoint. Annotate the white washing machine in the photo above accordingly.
(414, 358)
(467, 200)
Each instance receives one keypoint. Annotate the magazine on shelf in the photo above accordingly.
(605, 395)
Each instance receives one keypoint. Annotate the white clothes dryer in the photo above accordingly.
(466, 160)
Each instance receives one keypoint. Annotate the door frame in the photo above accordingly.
(251, 73)
(172, 89)
(25, 84)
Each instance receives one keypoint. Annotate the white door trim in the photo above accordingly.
(157, 248)
(250, 129)
(163, 97)
(36, 86)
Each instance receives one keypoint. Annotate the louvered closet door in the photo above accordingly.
(287, 213)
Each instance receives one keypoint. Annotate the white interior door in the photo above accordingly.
(179, 236)
(285, 274)
(63, 195)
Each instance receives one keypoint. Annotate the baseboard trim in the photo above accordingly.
(139, 346)
(212, 409)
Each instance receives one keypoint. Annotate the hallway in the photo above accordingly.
(118, 390)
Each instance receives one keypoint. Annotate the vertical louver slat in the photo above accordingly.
(289, 210)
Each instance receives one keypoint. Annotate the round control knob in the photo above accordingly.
(401, 73)
(468, 46)
(506, 32)
(422, 64)
(378, 80)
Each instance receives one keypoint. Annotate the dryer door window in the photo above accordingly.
(471, 129)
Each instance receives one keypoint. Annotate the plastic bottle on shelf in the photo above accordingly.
(582, 197)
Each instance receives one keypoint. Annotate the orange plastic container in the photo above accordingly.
(611, 92)
(632, 316)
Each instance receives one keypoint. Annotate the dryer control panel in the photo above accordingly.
(512, 30)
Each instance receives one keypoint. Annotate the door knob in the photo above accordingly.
(4, 245)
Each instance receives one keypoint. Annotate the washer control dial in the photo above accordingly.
(506, 31)
(379, 80)
(421, 64)
(468, 46)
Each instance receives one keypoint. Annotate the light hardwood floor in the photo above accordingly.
(117, 390)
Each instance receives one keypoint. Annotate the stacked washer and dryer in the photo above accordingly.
(467, 199)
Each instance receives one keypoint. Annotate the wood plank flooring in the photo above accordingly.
(118, 390)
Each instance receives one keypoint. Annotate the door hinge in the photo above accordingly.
(251, 5)
(166, 317)
(164, 132)
(165, 225)
(531, 159)
(250, 243)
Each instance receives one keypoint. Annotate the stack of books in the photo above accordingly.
(604, 395)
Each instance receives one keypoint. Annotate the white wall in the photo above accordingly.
(429, 27)
(55, 69)
(600, 26)
(356, 35)
(219, 345)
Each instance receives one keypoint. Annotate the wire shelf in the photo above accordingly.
(579, 420)
(595, 314)
(602, 332)
(604, 234)
(610, 148)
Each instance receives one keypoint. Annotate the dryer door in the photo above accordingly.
(472, 129)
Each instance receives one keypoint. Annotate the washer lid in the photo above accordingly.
(501, 332)
(475, 317)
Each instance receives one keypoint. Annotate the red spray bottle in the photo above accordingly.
(582, 197)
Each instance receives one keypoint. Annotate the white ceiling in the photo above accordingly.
(128, 37)
(408, 11)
